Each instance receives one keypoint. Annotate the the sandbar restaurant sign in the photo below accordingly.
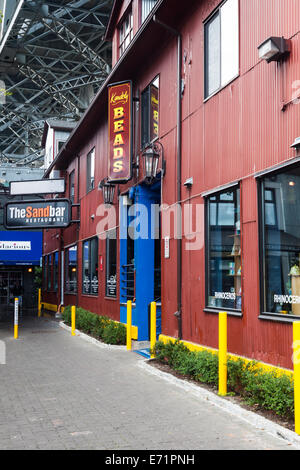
(120, 131)
(37, 214)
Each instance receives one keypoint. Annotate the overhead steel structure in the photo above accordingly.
(53, 58)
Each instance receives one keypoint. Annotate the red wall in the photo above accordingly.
(231, 136)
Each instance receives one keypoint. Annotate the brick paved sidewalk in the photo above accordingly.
(61, 392)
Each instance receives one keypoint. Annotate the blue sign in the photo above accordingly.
(18, 248)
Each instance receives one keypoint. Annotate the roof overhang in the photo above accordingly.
(148, 38)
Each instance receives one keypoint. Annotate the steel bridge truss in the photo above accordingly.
(52, 64)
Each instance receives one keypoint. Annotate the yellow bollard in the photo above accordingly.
(39, 302)
(222, 353)
(152, 328)
(129, 324)
(73, 320)
(296, 360)
(16, 319)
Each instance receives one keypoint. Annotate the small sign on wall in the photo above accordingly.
(167, 247)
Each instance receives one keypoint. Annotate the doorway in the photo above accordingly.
(140, 256)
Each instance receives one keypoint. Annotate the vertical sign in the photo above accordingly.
(120, 132)
(153, 112)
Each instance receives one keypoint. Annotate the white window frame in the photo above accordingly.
(225, 46)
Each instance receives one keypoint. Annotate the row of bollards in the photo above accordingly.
(222, 389)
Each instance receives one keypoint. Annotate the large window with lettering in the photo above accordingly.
(223, 250)
(71, 269)
(280, 242)
(90, 267)
(111, 264)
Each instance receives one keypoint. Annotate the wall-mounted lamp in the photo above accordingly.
(151, 156)
(188, 183)
(274, 49)
(296, 144)
(108, 191)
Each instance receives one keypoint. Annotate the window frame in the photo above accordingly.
(142, 3)
(89, 241)
(264, 313)
(215, 309)
(107, 261)
(66, 261)
(55, 268)
(90, 179)
(121, 43)
(72, 185)
(216, 11)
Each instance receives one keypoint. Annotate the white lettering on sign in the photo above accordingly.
(286, 299)
(225, 295)
(11, 245)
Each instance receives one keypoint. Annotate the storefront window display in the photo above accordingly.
(90, 267)
(223, 250)
(280, 242)
(71, 269)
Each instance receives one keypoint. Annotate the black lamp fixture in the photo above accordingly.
(274, 49)
(151, 156)
(108, 191)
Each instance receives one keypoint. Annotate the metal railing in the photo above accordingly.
(128, 281)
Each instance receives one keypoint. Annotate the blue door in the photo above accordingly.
(140, 259)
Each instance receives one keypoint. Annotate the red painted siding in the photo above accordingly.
(242, 129)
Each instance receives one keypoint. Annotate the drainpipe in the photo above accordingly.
(178, 314)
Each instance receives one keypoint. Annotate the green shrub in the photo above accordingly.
(114, 333)
(96, 325)
(265, 389)
(66, 315)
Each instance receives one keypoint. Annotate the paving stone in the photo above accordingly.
(62, 392)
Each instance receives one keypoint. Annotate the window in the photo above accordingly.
(223, 250)
(55, 271)
(60, 144)
(125, 33)
(90, 182)
(111, 264)
(71, 269)
(90, 267)
(72, 186)
(147, 6)
(221, 33)
(150, 113)
(280, 242)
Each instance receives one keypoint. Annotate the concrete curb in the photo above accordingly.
(250, 417)
(91, 340)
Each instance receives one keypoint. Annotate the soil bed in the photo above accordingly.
(237, 399)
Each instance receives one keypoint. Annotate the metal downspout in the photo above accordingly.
(178, 314)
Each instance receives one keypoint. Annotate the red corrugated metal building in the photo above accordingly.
(225, 132)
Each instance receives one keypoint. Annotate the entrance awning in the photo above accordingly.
(18, 248)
